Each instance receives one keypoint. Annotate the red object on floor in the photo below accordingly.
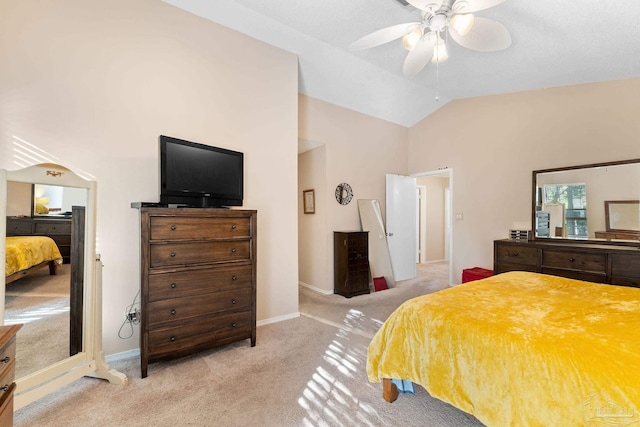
(379, 284)
(475, 273)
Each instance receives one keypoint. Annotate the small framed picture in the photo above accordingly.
(309, 201)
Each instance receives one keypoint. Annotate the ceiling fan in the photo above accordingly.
(425, 39)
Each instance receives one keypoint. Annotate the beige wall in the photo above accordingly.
(95, 83)
(360, 150)
(493, 144)
(315, 257)
(432, 219)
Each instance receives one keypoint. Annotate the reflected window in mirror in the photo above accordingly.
(573, 218)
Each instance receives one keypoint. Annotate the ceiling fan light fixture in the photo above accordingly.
(440, 51)
(410, 39)
(462, 23)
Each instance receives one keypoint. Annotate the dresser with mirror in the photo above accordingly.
(591, 227)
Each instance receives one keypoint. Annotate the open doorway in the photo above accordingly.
(434, 222)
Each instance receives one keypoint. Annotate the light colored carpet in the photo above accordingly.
(39, 302)
(308, 371)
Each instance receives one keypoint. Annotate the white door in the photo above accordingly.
(401, 225)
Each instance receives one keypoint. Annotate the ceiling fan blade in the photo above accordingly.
(383, 36)
(486, 35)
(470, 6)
(420, 56)
(427, 5)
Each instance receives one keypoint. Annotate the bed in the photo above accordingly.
(26, 254)
(519, 349)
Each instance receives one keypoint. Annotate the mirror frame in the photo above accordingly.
(569, 168)
(90, 360)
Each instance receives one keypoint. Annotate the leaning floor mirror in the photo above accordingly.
(61, 207)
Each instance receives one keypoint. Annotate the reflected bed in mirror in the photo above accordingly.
(571, 202)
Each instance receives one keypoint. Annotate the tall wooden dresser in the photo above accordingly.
(198, 280)
(7, 372)
(351, 263)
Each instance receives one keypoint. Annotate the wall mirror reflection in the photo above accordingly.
(56, 200)
(61, 311)
(45, 297)
(622, 215)
(570, 202)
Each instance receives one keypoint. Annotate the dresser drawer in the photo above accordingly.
(198, 305)
(195, 282)
(206, 331)
(175, 254)
(627, 265)
(626, 281)
(52, 227)
(504, 267)
(7, 362)
(574, 261)
(177, 228)
(576, 274)
(18, 227)
(521, 255)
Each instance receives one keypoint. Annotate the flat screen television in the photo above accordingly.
(199, 175)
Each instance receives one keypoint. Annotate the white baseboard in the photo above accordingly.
(313, 288)
(278, 319)
(128, 354)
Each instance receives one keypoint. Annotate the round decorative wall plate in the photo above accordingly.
(344, 193)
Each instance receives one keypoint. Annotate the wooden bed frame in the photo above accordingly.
(53, 267)
(389, 390)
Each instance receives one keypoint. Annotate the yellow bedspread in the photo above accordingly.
(520, 349)
(24, 252)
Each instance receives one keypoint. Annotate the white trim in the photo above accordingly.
(123, 355)
(313, 288)
(279, 319)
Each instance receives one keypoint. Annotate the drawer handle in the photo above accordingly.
(173, 254)
(234, 278)
(233, 250)
(515, 254)
(6, 360)
(173, 227)
(173, 286)
(234, 324)
(233, 227)
(173, 312)
(172, 339)
(5, 387)
(233, 301)
(571, 259)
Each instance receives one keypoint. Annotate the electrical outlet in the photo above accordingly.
(134, 316)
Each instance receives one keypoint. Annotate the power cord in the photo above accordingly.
(131, 316)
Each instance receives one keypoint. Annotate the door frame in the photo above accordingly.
(449, 237)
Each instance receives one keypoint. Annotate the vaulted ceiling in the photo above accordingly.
(554, 43)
